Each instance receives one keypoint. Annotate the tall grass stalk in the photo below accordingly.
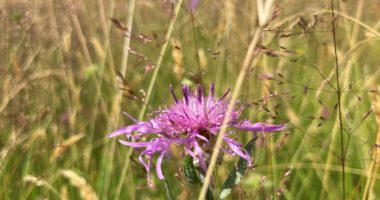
(264, 12)
(107, 56)
(372, 170)
(339, 94)
(160, 58)
(123, 71)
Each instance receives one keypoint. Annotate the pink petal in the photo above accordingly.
(158, 165)
(136, 144)
(142, 127)
(258, 127)
(236, 148)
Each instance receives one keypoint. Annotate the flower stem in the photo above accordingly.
(169, 193)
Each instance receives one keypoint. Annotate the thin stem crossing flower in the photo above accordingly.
(192, 122)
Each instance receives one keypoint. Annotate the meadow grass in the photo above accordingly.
(68, 69)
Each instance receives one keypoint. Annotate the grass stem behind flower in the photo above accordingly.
(123, 70)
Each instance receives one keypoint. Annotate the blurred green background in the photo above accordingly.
(61, 72)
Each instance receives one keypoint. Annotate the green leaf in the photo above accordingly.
(236, 175)
(189, 170)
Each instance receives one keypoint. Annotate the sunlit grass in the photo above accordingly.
(60, 95)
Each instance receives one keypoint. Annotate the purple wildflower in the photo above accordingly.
(192, 122)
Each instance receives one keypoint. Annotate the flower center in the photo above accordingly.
(204, 132)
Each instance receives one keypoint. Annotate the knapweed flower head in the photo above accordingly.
(192, 122)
